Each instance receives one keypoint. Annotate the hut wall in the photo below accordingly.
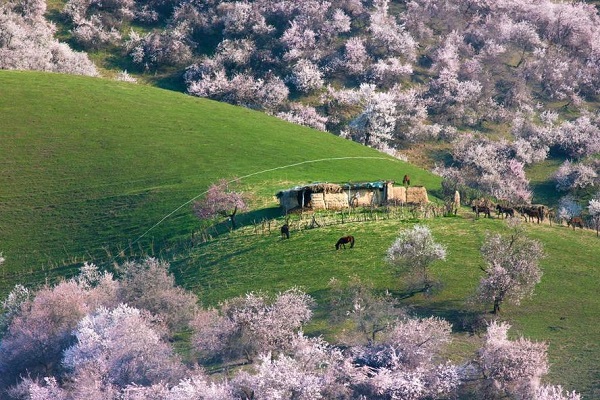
(362, 197)
(336, 201)
(416, 195)
(289, 200)
(317, 201)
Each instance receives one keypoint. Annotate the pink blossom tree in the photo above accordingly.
(149, 285)
(220, 201)
(41, 328)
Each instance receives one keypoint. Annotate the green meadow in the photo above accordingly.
(92, 170)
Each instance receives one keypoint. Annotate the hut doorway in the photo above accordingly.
(304, 198)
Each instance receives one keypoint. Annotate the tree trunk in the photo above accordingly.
(496, 306)
(232, 218)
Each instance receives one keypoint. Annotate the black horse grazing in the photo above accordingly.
(285, 231)
(482, 209)
(505, 211)
(343, 241)
(575, 221)
(406, 180)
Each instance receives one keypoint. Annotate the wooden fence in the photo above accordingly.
(310, 220)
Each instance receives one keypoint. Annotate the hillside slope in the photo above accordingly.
(563, 311)
(90, 166)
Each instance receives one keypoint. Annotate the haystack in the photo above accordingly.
(317, 201)
(336, 201)
(397, 195)
(326, 188)
(416, 195)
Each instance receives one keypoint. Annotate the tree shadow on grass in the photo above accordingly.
(462, 319)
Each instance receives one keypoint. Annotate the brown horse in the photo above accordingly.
(343, 240)
(285, 231)
(575, 221)
(406, 180)
(482, 209)
(532, 212)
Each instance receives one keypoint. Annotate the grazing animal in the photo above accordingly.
(505, 211)
(482, 209)
(343, 240)
(575, 221)
(285, 231)
(406, 180)
(529, 213)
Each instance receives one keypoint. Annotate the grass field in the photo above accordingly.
(564, 310)
(90, 166)
(91, 169)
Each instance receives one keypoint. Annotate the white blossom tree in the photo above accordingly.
(514, 367)
(594, 210)
(568, 207)
(119, 347)
(403, 365)
(252, 324)
(571, 176)
(27, 42)
(306, 76)
(512, 271)
(414, 251)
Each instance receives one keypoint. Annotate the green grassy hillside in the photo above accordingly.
(564, 311)
(90, 166)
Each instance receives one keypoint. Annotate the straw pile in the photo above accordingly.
(416, 195)
(317, 201)
(336, 201)
(397, 195)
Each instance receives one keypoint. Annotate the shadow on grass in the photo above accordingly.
(462, 319)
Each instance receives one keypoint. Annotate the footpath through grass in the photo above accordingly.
(564, 311)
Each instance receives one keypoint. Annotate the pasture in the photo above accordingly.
(93, 169)
(104, 171)
(563, 311)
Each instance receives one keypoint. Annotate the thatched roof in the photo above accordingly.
(319, 187)
(325, 187)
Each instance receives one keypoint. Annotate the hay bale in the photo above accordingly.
(397, 195)
(335, 201)
(317, 201)
(416, 195)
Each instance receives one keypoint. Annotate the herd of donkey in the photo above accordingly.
(531, 213)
